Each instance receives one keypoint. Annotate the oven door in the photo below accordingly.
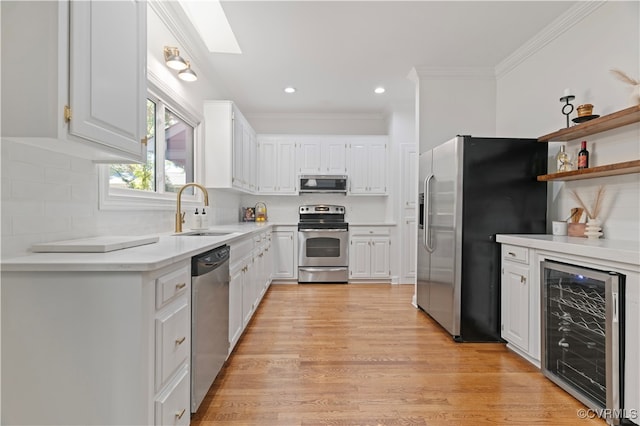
(323, 247)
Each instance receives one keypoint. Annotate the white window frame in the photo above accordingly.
(127, 199)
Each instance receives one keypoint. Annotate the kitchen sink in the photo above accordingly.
(203, 234)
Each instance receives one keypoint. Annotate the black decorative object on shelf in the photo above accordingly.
(567, 108)
(584, 118)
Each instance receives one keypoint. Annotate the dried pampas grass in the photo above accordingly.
(597, 203)
(635, 94)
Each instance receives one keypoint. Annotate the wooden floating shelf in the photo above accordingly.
(627, 167)
(597, 125)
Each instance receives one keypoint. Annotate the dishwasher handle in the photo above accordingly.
(208, 261)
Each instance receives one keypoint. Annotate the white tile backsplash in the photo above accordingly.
(47, 196)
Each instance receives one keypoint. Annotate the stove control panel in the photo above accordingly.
(322, 209)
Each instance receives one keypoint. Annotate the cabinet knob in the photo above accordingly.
(180, 286)
(180, 340)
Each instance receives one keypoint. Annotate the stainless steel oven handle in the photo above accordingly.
(323, 230)
(321, 269)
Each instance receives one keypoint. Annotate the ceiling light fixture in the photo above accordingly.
(379, 90)
(290, 90)
(173, 59)
(187, 74)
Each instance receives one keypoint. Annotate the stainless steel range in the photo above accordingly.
(323, 238)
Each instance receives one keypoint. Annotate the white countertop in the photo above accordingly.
(168, 250)
(612, 250)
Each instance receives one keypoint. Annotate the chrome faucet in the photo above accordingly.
(179, 212)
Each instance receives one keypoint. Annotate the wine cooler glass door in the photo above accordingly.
(581, 332)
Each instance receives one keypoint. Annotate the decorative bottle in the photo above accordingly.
(564, 165)
(583, 156)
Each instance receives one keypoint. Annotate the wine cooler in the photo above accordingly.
(583, 335)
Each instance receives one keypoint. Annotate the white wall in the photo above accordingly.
(455, 101)
(318, 124)
(580, 59)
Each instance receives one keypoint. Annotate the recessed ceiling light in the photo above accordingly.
(290, 90)
(379, 90)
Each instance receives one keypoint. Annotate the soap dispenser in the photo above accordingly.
(204, 219)
(197, 220)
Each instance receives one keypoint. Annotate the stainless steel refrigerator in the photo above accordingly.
(471, 189)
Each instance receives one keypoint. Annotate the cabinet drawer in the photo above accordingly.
(171, 285)
(172, 405)
(173, 340)
(515, 253)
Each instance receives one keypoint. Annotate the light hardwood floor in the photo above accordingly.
(363, 355)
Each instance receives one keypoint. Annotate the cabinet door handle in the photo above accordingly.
(511, 254)
(180, 286)
(180, 414)
(181, 340)
(523, 279)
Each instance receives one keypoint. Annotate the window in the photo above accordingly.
(170, 162)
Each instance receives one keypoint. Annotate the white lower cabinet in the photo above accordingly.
(236, 284)
(173, 339)
(515, 305)
(73, 340)
(520, 317)
(369, 251)
(285, 254)
(172, 405)
(250, 276)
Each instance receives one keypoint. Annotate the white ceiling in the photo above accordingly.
(336, 52)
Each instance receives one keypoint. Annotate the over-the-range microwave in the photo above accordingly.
(323, 183)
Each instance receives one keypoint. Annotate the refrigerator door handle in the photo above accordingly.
(425, 218)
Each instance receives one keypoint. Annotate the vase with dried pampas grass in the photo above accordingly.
(593, 228)
(635, 84)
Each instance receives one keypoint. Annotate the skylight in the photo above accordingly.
(209, 20)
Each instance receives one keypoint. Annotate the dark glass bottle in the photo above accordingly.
(583, 156)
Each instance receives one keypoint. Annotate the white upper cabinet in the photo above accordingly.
(326, 155)
(276, 166)
(229, 148)
(367, 159)
(61, 87)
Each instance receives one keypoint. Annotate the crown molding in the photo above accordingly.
(548, 34)
(452, 73)
(315, 116)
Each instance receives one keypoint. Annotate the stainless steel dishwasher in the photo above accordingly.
(209, 320)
